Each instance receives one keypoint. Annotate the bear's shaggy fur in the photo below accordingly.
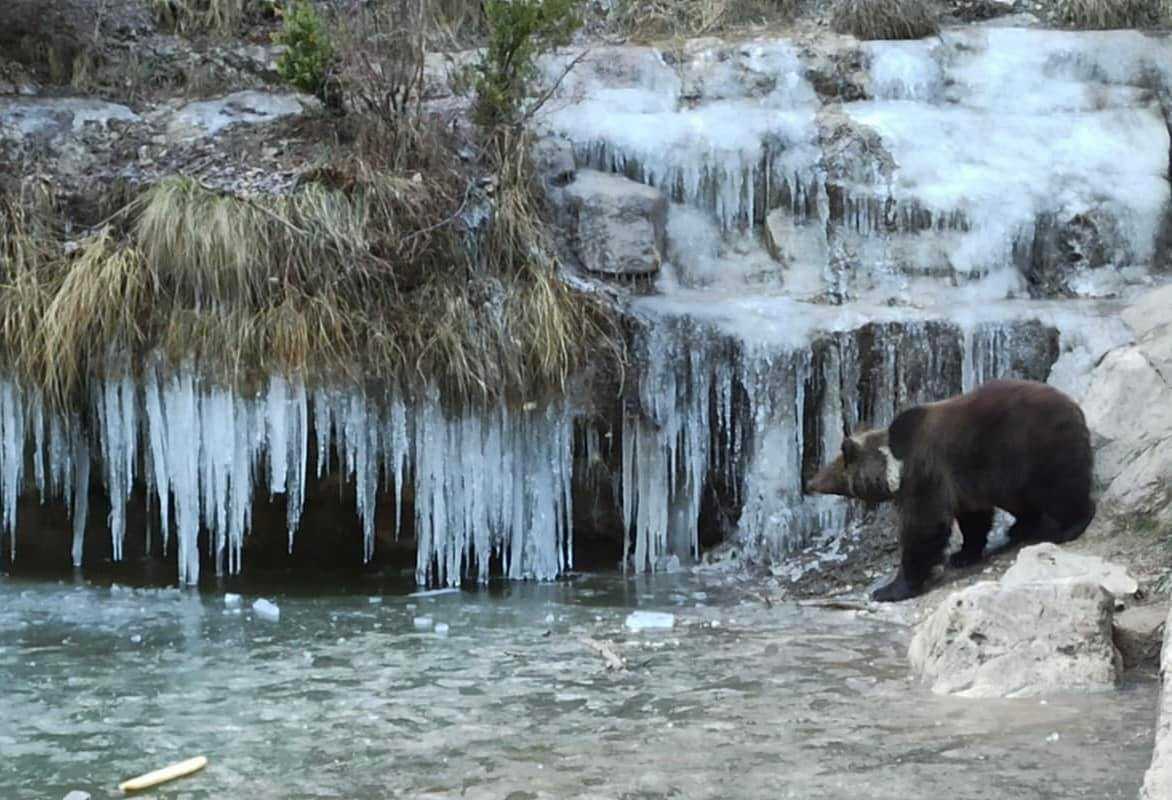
(1020, 446)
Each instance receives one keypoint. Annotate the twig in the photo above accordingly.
(543, 98)
(831, 603)
(612, 659)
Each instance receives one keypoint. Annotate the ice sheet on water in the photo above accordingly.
(650, 620)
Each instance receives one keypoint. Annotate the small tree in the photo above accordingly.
(306, 61)
(519, 31)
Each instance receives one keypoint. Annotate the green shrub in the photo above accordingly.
(310, 53)
(518, 32)
(884, 19)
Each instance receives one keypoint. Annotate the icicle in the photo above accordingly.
(81, 493)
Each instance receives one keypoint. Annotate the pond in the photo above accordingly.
(350, 694)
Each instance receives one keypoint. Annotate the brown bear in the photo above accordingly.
(1020, 446)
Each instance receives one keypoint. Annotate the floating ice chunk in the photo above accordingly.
(232, 600)
(374, 601)
(441, 629)
(650, 620)
(423, 623)
(436, 592)
(136, 638)
(77, 795)
(266, 610)
(668, 564)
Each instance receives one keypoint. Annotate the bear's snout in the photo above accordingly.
(829, 480)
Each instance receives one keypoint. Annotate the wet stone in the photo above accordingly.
(618, 224)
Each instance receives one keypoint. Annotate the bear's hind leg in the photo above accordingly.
(1030, 527)
(975, 526)
(922, 546)
(1072, 520)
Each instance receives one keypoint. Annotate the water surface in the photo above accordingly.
(344, 697)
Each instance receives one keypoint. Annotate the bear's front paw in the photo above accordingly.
(898, 589)
(963, 558)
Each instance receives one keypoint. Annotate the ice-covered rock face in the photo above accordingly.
(822, 265)
(829, 263)
(1035, 160)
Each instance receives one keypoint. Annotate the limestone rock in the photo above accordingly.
(1139, 632)
(1158, 778)
(1049, 562)
(1128, 406)
(51, 119)
(1151, 313)
(617, 225)
(209, 117)
(1017, 641)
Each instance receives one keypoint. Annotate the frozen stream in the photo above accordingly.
(345, 698)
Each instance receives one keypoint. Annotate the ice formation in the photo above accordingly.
(487, 483)
(970, 149)
(983, 137)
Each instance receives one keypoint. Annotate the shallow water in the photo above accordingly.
(344, 698)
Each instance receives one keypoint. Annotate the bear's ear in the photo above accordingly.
(850, 449)
(902, 433)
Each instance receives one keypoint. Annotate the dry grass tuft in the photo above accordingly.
(884, 19)
(95, 315)
(656, 19)
(1110, 14)
(359, 273)
(188, 17)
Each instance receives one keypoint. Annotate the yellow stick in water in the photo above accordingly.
(163, 775)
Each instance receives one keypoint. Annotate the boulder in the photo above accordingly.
(1128, 406)
(1158, 778)
(617, 225)
(50, 120)
(1022, 640)
(209, 117)
(1049, 562)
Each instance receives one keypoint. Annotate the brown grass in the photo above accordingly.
(885, 19)
(655, 19)
(186, 17)
(1109, 14)
(360, 272)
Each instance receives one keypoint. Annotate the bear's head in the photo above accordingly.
(866, 469)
